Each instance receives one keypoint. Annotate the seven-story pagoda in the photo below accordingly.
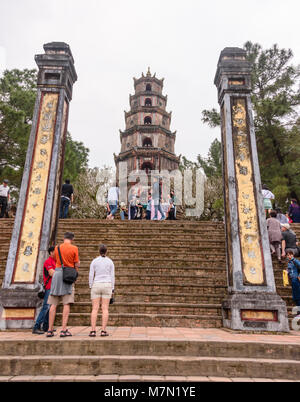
(147, 142)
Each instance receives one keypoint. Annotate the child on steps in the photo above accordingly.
(294, 275)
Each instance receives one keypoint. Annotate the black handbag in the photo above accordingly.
(112, 299)
(42, 292)
(70, 274)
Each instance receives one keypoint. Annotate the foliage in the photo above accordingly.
(211, 117)
(212, 165)
(76, 158)
(213, 199)
(17, 100)
(87, 200)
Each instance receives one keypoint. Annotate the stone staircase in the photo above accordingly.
(169, 274)
(170, 282)
(166, 273)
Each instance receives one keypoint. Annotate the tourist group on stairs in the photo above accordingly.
(60, 274)
(283, 245)
(283, 240)
(281, 236)
(292, 215)
(142, 204)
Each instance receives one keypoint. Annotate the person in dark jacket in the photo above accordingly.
(157, 196)
(294, 211)
(289, 240)
(66, 199)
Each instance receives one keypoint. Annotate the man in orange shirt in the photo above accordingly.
(59, 289)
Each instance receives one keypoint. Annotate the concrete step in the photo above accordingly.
(152, 308)
(206, 261)
(158, 308)
(164, 270)
(161, 278)
(171, 288)
(149, 250)
(148, 320)
(145, 232)
(149, 365)
(134, 378)
(85, 346)
(156, 297)
(151, 241)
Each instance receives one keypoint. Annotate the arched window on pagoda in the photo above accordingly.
(147, 120)
(147, 142)
(148, 102)
(147, 166)
(148, 87)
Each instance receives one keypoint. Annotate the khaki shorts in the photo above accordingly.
(66, 299)
(101, 289)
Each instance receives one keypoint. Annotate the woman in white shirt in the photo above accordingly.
(102, 283)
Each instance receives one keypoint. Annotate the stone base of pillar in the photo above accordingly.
(255, 312)
(18, 308)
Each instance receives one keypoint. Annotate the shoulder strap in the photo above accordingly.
(46, 274)
(46, 271)
(62, 265)
(47, 280)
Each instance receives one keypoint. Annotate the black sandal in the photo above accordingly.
(65, 333)
(92, 333)
(50, 334)
(103, 333)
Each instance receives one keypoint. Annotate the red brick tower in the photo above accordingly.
(147, 142)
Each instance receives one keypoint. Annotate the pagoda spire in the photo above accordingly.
(148, 72)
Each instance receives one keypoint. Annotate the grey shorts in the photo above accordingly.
(101, 289)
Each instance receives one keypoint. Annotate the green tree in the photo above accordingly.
(187, 164)
(276, 101)
(76, 158)
(212, 165)
(17, 99)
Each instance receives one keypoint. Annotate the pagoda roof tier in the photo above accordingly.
(148, 109)
(146, 151)
(147, 128)
(148, 93)
(148, 78)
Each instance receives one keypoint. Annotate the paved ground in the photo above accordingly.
(151, 333)
(132, 378)
(163, 333)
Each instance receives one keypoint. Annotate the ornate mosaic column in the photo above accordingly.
(37, 212)
(252, 303)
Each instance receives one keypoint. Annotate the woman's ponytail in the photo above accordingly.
(103, 250)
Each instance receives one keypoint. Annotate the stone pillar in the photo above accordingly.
(252, 302)
(37, 212)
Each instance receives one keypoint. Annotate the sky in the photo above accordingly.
(116, 40)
